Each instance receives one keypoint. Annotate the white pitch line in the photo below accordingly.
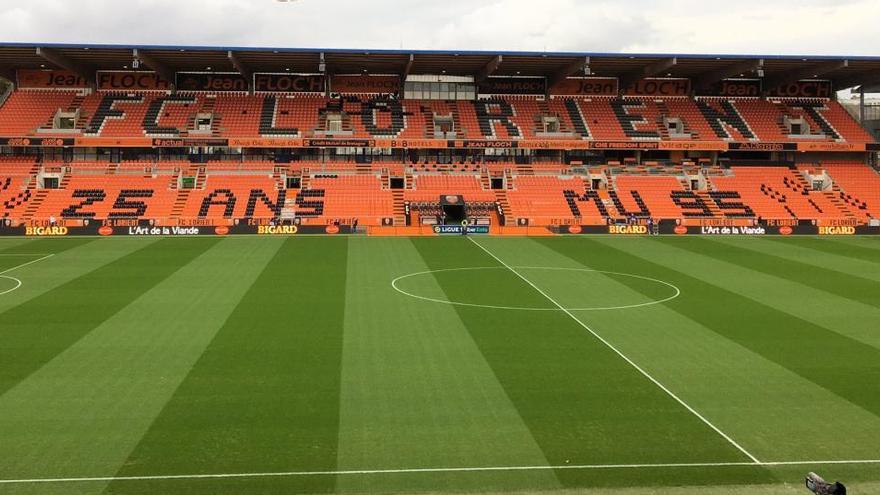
(15, 280)
(367, 472)
(4, 272)
(623, 356)
(521, 308)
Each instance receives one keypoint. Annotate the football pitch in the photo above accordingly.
(628, 366)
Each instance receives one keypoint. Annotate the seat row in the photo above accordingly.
(757, 192)
(234, 115)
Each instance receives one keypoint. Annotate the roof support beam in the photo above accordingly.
(322, 64)
(870, 86)
(409, 66)
(817, 70)
(56, 58)
(864, 79)
(156, 65)
(568, 70)
(657, 68)
(489, 69)
(242, 68)
(707, 79)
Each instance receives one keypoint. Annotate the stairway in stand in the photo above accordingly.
(839, 203)
(780, 122)
(190, 126)
(713, 206)
(39, 195)
(853, 204)
(34, 205)
(456, 121)
(75, 104)
(180, 203)
(685, 183)
(216, 120)
(278, 177)
(305, 181)
(35, 169)
(201, 178)
(428, 115)
(399, 207)
(216, 129)
(175, 180)
(501, 199)
(710, 186)
(485, 180)
(663, 112)
(802, 184)
(182, 194)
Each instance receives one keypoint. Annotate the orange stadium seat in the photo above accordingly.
(238, 115)
(779, 193)
(545, 182)
(654, 192)
(857, 184)
(28, 110)
(349, 197)
(545, 199)
(430, 187)
(226, 190)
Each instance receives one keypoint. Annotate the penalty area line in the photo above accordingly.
(632, 363)
(4, 272)
(367, 472)
(25, 254)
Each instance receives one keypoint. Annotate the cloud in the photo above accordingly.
(781, 27)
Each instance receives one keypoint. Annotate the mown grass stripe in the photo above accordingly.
(842, 365)
(118, 377)
(11, 262)
(416, 391)
(839, 314)
(833, 246)
(265, 393)
(11, 243)
(581, 401)
(38, 330)
(795, 251)
(44, 246)
(849, 286)
(717, 376)
(871, 242)
(622, 355)
(20, 253)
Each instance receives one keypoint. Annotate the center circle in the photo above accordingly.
(606, 290)
(8, 284)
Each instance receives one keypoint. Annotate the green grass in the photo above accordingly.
(138, 363)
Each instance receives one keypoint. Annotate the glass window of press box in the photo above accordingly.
(433, 90)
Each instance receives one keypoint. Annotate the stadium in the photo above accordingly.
(276, 270)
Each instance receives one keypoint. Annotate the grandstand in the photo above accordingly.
(299, 271)
(531, 142)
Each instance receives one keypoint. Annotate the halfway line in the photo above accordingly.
(622, 355)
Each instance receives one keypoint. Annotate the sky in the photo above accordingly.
(802, 27)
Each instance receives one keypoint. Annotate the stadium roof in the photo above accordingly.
(844, 71)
